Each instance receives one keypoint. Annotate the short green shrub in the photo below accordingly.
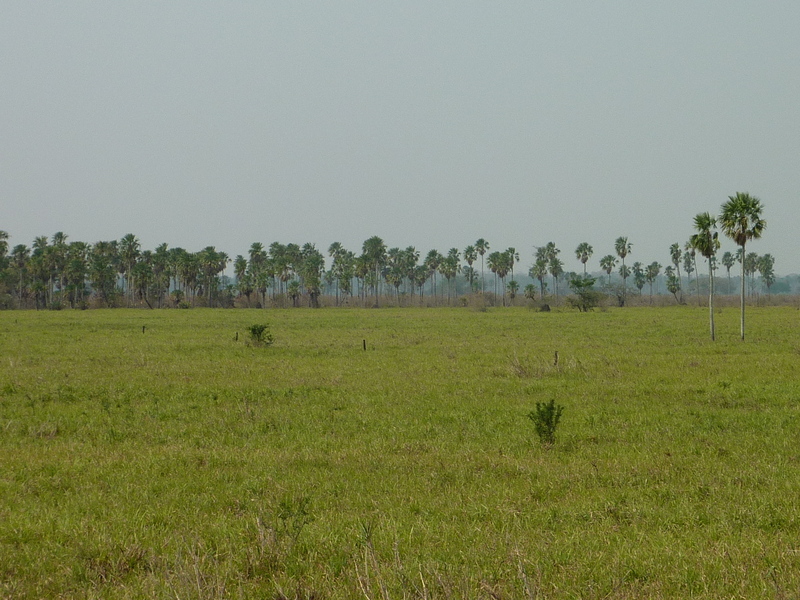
(545, 419)
(260, 335)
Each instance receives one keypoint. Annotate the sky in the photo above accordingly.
(429, 124)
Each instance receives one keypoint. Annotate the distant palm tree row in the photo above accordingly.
(56, 272)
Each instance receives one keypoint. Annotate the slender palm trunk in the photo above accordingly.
(688, 285)
(711, 298)
(742, 296)
(377, 286)
(697, 281)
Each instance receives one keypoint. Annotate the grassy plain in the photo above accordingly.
(180, 462)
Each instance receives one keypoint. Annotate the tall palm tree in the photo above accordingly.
(212, 264)
(482, 246)
(691, 256)
(409, 260)
(624, 272)
(257, 271)
(19, 259)
(76, 270)
(495, 264)
(623, 247)
(294, 263)
(103, 264)
(450, 268)
(59, 260)
(556, 268)
(607, 263)
(374, 251)
(129, 252)
(143, 276)
(346, 271)
(676, 254)
(549, 254)
(583, 253)
(3, 254)
(312, 266)
(688, 266)
(3, 244)
(673, 283)
(470, 256)
(243, 283)
(336, 251)
(750, 268)
(173, 263)
(766, 266)
(361, 271)
(513, 257)
(706, 242)
(432, 261)
(740, 220)
(394, 272)
(420, 276)
(500, 265)
(161, 271)
(728, 260)
(539, 271)
(651, 274)
(42, 271)
(639, 278)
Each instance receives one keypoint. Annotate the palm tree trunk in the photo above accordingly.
(377, 281)
(742, 296)
(697, 281)
(711, 299)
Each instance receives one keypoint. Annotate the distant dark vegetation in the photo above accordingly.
(56, 273)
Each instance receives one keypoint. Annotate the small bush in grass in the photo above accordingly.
(586, 297)
(260, 335)
(545, 419)
(294, 514)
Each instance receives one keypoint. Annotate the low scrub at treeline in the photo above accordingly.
(399, 453)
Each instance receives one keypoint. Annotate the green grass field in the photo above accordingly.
(180, 462)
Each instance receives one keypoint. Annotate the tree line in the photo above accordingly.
(58, 273)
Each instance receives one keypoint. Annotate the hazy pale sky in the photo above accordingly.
(426, 123)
